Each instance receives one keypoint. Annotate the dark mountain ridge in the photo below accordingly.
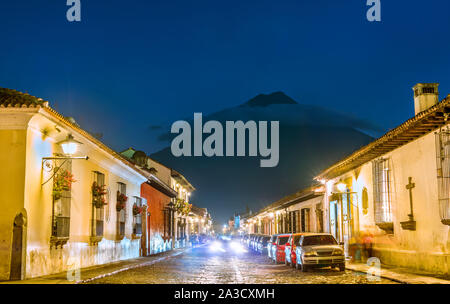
(311, 139)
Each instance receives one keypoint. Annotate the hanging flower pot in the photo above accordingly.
(121, 201)
(62, 181)
(137, 210)
(98, 195)
(182, 206)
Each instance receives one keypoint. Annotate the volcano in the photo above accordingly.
(311, 139)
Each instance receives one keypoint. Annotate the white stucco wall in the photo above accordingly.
(427, 248)
(37, 203)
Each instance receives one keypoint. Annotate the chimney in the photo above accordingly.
(426, 95)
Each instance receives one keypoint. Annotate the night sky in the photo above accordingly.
(131, 66)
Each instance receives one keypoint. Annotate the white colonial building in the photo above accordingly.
(397, 188)
(67, 200)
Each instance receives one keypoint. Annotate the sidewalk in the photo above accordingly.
(100, 271)
(402, 275)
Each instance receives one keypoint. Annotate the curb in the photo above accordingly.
(381, 276)
(101, 276)
(392, 276)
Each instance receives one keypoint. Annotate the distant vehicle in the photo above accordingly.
(194, 239)
(250, 239)
(319, 250)
(290, 247)
(262, 244)
(253, 241)
(278, 249)
(244, 239)
(256, 242)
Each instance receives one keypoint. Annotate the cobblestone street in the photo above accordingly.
(201, 266)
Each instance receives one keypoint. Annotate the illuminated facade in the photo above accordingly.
(397, 189)
(299, 212)
(61, 211)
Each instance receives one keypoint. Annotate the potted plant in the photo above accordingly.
(137, 209)
(62, 181)
(98, 195)
(121, 200)
(182, 206)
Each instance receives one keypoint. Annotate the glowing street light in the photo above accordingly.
(69, 145)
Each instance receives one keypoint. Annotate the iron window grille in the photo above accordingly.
(137, 227)
(98, 214)
(319, 217)
(121, 215)
(305, 216)
(443, 174)
(61, 206)
(383, 192)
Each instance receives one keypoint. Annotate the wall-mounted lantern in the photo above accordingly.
(69, 145)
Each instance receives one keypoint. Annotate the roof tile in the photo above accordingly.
(13, 98)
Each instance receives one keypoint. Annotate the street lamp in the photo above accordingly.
(69, 145)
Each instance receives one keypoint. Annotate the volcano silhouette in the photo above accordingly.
(311, 139)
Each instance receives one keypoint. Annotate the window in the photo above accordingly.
(279, 223)
(319, 217)
(282, 240)
(428, 90)
(294, 219)
(382, 177)
(317, 240)
(61, 200)
(98, 213)
(121, 208)
(305, 215)
(443, 174)
(365, 200)
(137, 216)
(288, 217)
(167, 223)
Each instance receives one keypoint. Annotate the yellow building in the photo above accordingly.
(49, 224)
(397, 189)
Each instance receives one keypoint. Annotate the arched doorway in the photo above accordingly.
(17, 248)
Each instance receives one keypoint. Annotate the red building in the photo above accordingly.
(158, 218)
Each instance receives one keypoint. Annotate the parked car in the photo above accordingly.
(262, 244)
(290, 247)
(249, 240)
(255, 242)
(278, 248)
(244, 239)
(254, 246)
(272, 242)
(319, 250)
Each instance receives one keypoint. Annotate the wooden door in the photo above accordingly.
(16, 250)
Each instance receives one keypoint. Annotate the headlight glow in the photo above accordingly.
(311, 253)
(216, 246)
(237, 247)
